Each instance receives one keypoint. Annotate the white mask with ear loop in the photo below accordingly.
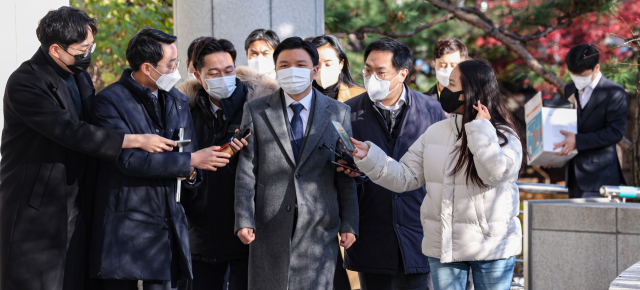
(379, 89)
(166, 81)
(261, 64)
(221, 88)
(581, 82)
(328, 76)
(442, 75)
(294, 80)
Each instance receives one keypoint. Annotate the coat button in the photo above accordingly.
(297, 175)
(157, 130)
(397, 226)
(179, 107)
(288, 207)
(395, 196)
(170, 130)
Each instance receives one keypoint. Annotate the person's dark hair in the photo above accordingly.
(297, 43)
(268, 36)
(450, 45)
(145, 46)
(479, 83)
(345, 76)
(577, 60)
(190, 49)
(401, 53)
(209, 45)
(65, 26)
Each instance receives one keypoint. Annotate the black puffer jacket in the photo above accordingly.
(210, 207)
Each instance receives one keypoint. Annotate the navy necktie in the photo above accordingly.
(297, 131)
(156, 104)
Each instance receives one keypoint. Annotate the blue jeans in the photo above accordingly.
(487, 275)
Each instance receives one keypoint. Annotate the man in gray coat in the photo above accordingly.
(290, 203)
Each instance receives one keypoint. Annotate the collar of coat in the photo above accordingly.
(139, 90)
(258, 85)
(40, 64)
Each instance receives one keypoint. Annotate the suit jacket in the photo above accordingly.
(47, 157)
(137, 219)
(389, 221)
(270, 184)
(601, 125)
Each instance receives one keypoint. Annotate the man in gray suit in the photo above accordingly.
(290, 202)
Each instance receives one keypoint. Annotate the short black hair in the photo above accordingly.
(190, 49)
(401, 52)
(577, 60)
(209, 45)
(65, 26)
(450, 45)
(268, 36)
(334, 42)
(145, 46)
(297, 43)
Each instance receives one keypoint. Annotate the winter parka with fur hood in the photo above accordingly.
(210, 207)
(461, 222)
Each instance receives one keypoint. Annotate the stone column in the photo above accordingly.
(234, 20)
(19, 20)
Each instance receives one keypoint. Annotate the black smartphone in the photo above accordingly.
(344, 137)
(347, 167)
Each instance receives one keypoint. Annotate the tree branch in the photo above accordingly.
(360, 33)
(563, 21)
(510, 43)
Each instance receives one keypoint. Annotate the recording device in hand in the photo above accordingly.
(226, 148)
(344, 136)
(351, 164)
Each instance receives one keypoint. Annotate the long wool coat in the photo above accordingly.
(269, 184)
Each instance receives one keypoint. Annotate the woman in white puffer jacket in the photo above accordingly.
(469, 164)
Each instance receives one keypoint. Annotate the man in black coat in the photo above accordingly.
(388, 254)
(48, 152)
(140, 230)
(217, 97)
(602, 118)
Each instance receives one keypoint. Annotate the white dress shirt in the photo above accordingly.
(215, 108)
(585, 94)
(304, 114)
(399, 103)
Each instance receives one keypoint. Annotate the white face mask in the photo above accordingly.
(581, 82)
(166, 81)
(294, 80)
(192, 76)
(442, 75)
(221, 88)
(262, 64)
(328, 76)
(378, 89)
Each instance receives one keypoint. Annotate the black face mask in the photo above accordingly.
(81, 63)
(449, 100)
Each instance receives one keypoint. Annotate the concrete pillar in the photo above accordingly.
(19, 20)
(234, 20)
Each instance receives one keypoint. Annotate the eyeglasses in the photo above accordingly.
(380, 76)
(87, 51)
(173, 68)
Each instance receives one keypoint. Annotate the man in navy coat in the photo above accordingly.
(140, 229)
(602, 118)
(388, 254)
